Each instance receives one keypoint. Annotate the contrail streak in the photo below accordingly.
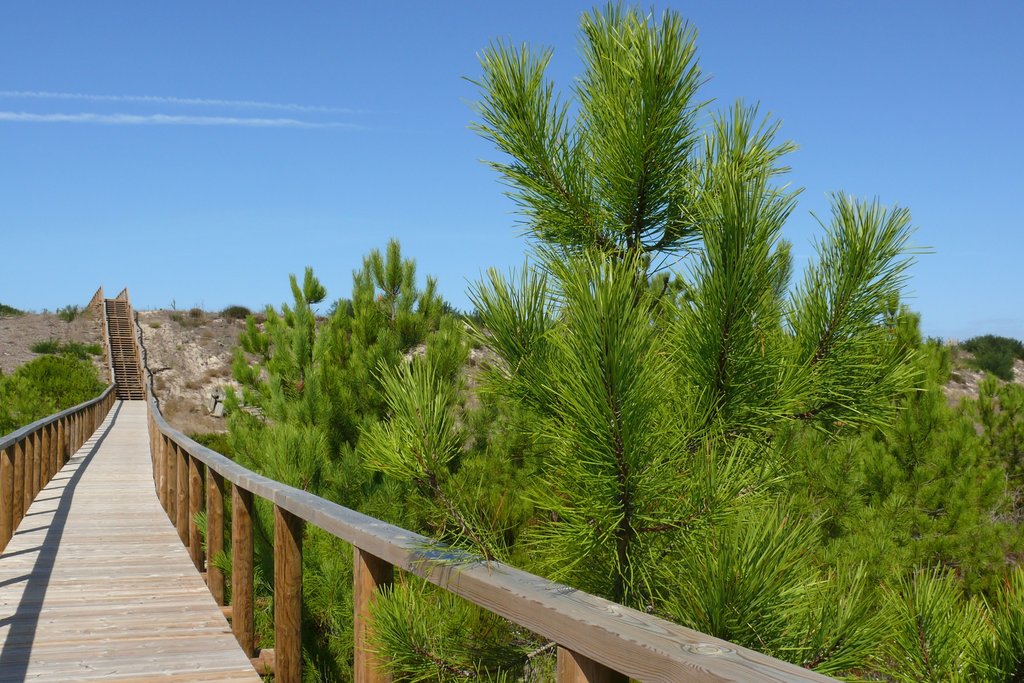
(184, 101)
(167, 120)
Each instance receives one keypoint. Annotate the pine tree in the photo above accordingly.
(618, 176)
(1000, 410)
(923, 491)
(309, 386)
(657, 416)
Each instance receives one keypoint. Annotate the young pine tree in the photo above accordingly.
(309, 386)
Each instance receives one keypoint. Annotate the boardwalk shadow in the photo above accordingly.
(17, 646)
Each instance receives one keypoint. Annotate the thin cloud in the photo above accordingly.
(184, 101)
(167, 120)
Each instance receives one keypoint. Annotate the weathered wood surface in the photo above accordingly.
(370, 574)
(96, 585)
(624, 640)
(287, 597)
(599, 641)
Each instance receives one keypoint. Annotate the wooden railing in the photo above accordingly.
(95, 305)
(30, 456)
(598, 641)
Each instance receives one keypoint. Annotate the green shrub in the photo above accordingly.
(188, 320)
(81, 351)
(995, 354)
(195, 313)
(74, 349)
(236, 313)
(44, 386)
(6, 311)
(215, 441)
(69, 313)
(46, 346)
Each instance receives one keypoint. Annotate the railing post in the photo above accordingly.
(160, 452)
(152, 450)
(369, 574)
(181, 505)
(575, 668)
(37, 464)
(195, 504)
(168, 473)
(19, 482)
(49, 470)
(58, 447)
(69, 436)
(6, 496)
(241, 569)
(44, 459)
(161, 470)
(287, 596)
(171, 503)
(62, 450)
(214, 532)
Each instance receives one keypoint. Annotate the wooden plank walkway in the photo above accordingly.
(96, 585)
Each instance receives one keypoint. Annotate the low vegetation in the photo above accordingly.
(69, 313)
(194, 317)
(236, 313)
(995, 354)
(663, 417)
(44, 386)
(662, 412)
(71, 348)
(9, 311)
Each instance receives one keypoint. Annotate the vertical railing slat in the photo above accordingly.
(19, 482)
(241, 569)
(214, 533)
(37, 465)
(181, 486)
(6, 496)
(62, 444)
(171, 503)
(370, 573)
(575, 668)
(48, 461)
(195, 505)
(165, 488)
(287, 596)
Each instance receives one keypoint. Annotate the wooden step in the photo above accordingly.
(123, 357)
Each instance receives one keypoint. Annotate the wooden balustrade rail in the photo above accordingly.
(598, 641)
(30, 456)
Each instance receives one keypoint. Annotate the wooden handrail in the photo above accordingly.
(598, 640)
(96, 302)
(31, 455)
(107, 351)
(7, 440)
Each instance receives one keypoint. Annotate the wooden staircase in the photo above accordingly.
(123, 356)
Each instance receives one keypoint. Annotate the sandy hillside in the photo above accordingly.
(190, 356)
(18, 334)
(965, 380)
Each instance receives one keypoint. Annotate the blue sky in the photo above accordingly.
(200, 152)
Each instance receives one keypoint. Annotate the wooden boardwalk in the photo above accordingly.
(96, 585)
